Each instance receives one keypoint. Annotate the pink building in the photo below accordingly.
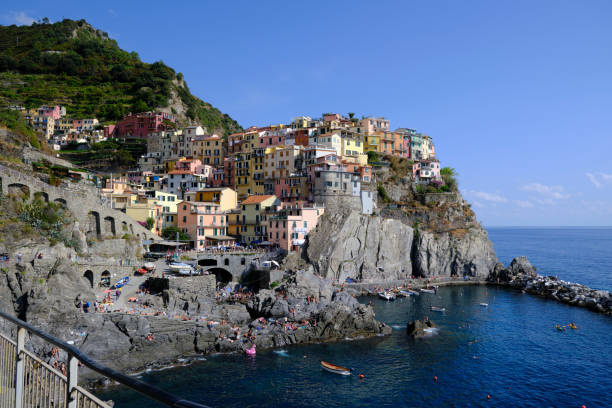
(271, 138)
(205, 223)
(139, 125)
(289, 226)
(109, 131)
(55, 112)
(426, 170)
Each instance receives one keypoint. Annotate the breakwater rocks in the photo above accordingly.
(418, 328)
(521, 275)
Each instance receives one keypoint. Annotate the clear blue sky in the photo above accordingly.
(516, 94)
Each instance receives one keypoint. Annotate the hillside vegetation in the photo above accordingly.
(73, 64)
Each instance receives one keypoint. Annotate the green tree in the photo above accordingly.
(449, 175)
(150, 223)
(169, 233)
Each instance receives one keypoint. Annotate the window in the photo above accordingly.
(184, 207)
(184, 218)
(305, 224)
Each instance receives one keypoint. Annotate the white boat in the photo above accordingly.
(175, 266)
(437, 309)
(187, 271)
(484, 304)
(406, 293)
(332, 368)
(428, 290)
(387, 295)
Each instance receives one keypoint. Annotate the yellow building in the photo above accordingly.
(280, 161)
(225, 197)
(352, 145)
(141, 211)
(372, 142)
(252, 217)
(249, 165)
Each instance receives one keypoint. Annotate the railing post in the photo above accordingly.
(19, 372)
(71, 398)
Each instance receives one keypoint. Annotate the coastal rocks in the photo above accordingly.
(377, 249)
(418, 328)
(470, 254)
(357, 246)
(521, 275)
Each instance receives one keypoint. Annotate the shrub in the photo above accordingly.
(383, 193)
(34, 141)
(274, 284)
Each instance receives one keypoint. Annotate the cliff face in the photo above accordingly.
(443, 239)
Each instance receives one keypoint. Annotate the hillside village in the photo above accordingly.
(266, 186)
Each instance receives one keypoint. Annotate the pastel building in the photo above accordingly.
(425, 171)
(209, 149)
(224, 197)
(252, 216)
(139, 125)
(289, 226)
(205, 224)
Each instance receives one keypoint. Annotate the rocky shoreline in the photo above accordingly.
(521, 275)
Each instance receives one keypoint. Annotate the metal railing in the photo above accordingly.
(27, 381)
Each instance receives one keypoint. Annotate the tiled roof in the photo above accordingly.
(256, 199)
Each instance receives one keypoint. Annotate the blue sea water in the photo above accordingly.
(509, 350)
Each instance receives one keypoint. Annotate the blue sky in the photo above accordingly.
(516, 94)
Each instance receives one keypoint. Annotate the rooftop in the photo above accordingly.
(257, 199)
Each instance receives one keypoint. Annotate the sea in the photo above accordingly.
(508, 354)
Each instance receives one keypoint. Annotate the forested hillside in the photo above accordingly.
(73, 64)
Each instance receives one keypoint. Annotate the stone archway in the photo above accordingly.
(93, 224)
(105, 278)
(89, 275)
(124, 227)
(207, 262)
(19, 190)
(109, 225)
(42, 195)
(61, 202)
(222, 275)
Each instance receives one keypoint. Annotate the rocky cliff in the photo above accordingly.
(438, 239)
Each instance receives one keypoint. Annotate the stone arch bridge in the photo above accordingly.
(96, 220)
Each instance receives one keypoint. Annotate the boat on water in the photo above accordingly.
(484, 304)
(175, 266)
(424, 290)
(332, 368)
(387, 295)
(406, 293)
(122, 282)
(437, 309)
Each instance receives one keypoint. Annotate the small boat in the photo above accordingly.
(414, 292)
(175, 266)
(484, 304)
(251, 351)
(141, 271)
(387, 295)
(406, 293)
(332, 368)
(573, 326)
(122, 282)
(428, 290)
(437, 309)
(149, 266)
(188, 271)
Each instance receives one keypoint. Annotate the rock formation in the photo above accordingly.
(521, 275)
(441, 240)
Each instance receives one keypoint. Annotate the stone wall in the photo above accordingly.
(82, 200)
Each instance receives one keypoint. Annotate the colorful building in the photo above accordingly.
(288, 226)
(252, 216)
(139, 125)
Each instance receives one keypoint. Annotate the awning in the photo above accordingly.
(220, 238)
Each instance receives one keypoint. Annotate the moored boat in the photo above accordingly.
(437, 309)
(122, 282)
(424, 290)
(406, 293)
(484, 304)
(175, 266)
(386, 295)
(332, 368)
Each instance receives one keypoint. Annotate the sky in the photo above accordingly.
(517, 95)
